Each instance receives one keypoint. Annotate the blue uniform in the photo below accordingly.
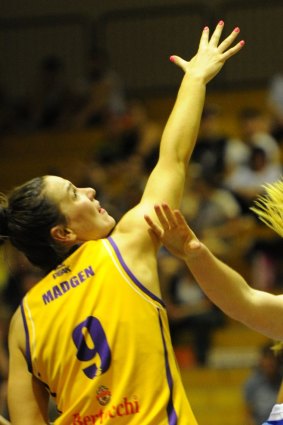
(276, 416)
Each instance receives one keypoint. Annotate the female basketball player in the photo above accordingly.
(93, 333)
(259, 310)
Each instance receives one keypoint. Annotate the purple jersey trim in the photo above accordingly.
(171, 413)
(134, 279)
(28, 352)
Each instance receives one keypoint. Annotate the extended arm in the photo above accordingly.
(258, 310)
(180, 133)
(27, 397)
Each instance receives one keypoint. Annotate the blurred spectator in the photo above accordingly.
(100, 95)
(265, 260)
(50, 100)
(192, 317)
(145, 131)
(254, 131)
(251, 161)
(261, 388)
(209, 152)
(275, 105)
(22, 276)
(247, 180)
(236, 165)
(214, 213)
(213, 205)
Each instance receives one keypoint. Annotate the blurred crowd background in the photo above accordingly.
(85, 93)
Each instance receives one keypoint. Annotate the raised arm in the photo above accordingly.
(182, 128)
(180, 133)
(258, 310)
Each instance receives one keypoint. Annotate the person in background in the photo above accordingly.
(193, 318)
(247, 179)
(100, 97)
(261, 388)
(209, 153)
(275, 105)
(49, 101)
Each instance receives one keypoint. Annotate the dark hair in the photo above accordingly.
(26, 218)
(3, 217)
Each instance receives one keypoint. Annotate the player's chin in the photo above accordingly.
(112, 222)
(109, 224)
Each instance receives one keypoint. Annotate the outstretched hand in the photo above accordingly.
(173, 231)
(210, 56)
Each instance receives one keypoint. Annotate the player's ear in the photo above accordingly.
(61, 233)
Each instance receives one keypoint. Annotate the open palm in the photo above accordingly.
(172, 230)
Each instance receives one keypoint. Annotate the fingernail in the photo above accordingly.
(237, 29)
(221, 22)
(205, 28)
(242, 42)
(172, 59)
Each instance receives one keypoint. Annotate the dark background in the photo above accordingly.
(139, 36)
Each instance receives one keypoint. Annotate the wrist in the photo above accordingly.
(194, 250)
(194, 78)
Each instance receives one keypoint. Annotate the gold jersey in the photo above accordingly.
(99, 340)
